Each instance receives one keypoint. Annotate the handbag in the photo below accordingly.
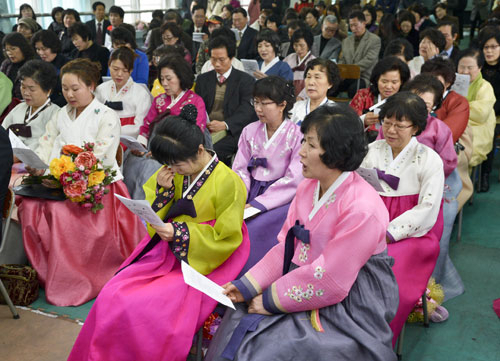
(21, 283)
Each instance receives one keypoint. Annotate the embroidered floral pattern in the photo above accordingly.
(297, 294)
(303, 252)
(318, 274)
(180, 243)
(162, 198)
(330, 200)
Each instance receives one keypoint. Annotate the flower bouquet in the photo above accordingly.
(81, 176)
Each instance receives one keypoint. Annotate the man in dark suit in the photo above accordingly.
(227, 93)
(6, 159)
(246, 35)
(326, 45)
(198, 26)
(450, 31)
(99, 25)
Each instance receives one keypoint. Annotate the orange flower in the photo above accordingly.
(71, 149)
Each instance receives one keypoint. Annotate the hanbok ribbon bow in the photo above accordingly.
(298, 231)
(182, 206)
(21, 130)
(257, 162)
(114, 105)
(248, 323)
(391, 180)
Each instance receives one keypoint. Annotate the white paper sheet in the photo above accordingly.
(250, 212)
(132, 143)
(142, 209)
(106, 78)
(370, 175)
(250, 65)
(236, 34)
(25, 154)
(15, 142)
(461, 84)
(198, 37)
(205, 285)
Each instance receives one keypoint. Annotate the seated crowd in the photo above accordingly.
(256, 170)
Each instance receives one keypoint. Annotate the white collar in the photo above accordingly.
(412, 143)
(265, 67)
(308, 104)
(31, 115)
(318, 203)
(299, 63)
(127, 86)
(275, 134)
(191, 184)
(226, 74)
(174, 101)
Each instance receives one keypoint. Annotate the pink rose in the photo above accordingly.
(75, 189)
(65, 179)
(76, 176)
(85, 159)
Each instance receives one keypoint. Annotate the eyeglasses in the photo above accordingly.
(258, 103)
(168, 38)
(490, 47)
(397, 127)
(219, 60)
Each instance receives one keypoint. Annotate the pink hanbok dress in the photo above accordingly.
(271, 171)
(328, 283)
(416, 217)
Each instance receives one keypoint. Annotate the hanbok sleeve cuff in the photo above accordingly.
(258, 205)
(180, 243)
(270, 300)
(247, 286)
(390, 237)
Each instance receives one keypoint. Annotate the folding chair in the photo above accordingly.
(7, 212)
(399, 347)
(349, 71)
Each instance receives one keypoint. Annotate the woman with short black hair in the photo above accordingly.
(328, 284)
(268, 44)
(86, 48)
(70, 17)
(171, 35)
(302, 42)
(57, 25)
(432, 43)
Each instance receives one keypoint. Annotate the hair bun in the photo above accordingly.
(189, 112)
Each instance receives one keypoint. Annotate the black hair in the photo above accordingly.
(473, 53)
(157, 14)
(81, 30)
(372, 11)
(222, 41)
(384, 65)
(169, 50)
(229, 8)
(291, 16)
(43, 73)
(48, 38)
(388, 28)
(125, 55)
(276, 89)
(240, 11)
(435, 36)
(173, 28)
(440, 66)
(176, 140)
(427, 83)
(303, 34)
(123, 36)
(26, 6)
(357, 14)
(271, 37)
(198, 7)
(399, 46)
(171, 14)
(454, 29)
(329, 68)
(273, 19)
(488, 32)
(313, 12)
(96, 4)
(406, 15)
(129, 27)
(296, 24)
(56, 10)
(72, 12)
(341, 135)
(181, 69)
(117, 10)
(406, 106)
(18, 40)
(440, 5)
(419, 9)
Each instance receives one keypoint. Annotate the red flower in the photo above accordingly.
(75, 189)
(85, 159)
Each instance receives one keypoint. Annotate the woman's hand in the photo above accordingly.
(216, 126)
(247, 205)
(16, 159)
(257, 306)
(166, 232)
(233, 293)
(138, 153)
(165, 177)
(34, 171)
(432, 51)
(259, 75)
(370, 119)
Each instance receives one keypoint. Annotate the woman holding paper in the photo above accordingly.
(413, 180)
(147, 311)
(268, 162)
(75, 251)
(326, 291)
(130, 100)
(388, 77)
(268, 46)
(28, 120)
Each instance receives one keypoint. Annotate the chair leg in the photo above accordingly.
(199, 351)
(424, 306)
(460, 219)
(399, 348)
(8, 300)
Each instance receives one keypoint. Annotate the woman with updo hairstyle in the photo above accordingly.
(17, 51)
(201, 202)
(326, 291)
(268, 44)
(74, 251)
(268, 162)
(29, 118)
(411, 175)
(130, 100)
(322, 76)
